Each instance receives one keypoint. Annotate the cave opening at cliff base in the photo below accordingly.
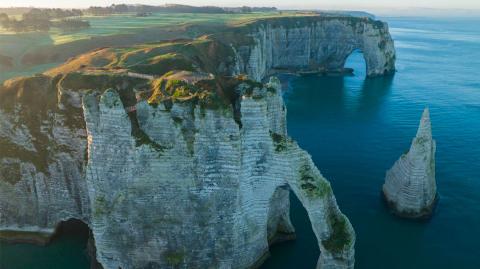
(70, 246)
(77, 231)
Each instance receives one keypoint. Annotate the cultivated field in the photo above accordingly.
(36, 52)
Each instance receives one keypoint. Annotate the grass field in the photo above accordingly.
(71, 43)
(129, 23)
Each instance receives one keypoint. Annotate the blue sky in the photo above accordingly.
(320, 4)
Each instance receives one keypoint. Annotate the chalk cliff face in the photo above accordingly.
(181, 184)
(202, 191)
(410, 187)
(209, 194)
(315, 44)
(42, 157)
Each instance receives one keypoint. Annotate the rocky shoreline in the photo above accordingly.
(192, 174)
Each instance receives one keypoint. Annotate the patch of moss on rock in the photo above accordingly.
(101, 206)
(279, 141)
(206, 93)
(10, 172)
(340, 237)
(174, 258)
(313, 185)
(271, 90)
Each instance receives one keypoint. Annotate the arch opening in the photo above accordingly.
(279, 226)
(355, 64)
(301, 251)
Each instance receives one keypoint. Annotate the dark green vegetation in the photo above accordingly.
(279, 141)
(174, 258)
(42, 19)
(172, 8)
(10, 172)
(101, 207)
(340, 237)
(312, 184)
(169, 8)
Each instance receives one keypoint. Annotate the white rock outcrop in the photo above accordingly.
(42, 161)
(410, 188)
(314, 43)
(203, 193)
(181, 186)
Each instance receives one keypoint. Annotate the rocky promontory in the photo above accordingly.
(315, 44)
(176, 154)
(410, 188)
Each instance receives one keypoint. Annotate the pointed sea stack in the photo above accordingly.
(410, 187)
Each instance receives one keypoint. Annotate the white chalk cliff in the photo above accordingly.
(212, 196)
(200, 187)
(410, 188)
(315, 44)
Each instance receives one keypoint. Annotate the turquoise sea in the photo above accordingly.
(355, 129)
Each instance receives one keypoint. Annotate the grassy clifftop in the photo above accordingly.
(171, 71)
(203, 54)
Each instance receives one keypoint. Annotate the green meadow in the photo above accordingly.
(129, 23)
(45, 50)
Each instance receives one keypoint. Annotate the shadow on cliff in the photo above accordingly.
(74, 230)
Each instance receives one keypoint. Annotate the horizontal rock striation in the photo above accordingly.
(166, 185)
(203, 193)
(315, 43)
(42, 158)
(410, 188)
(187, 162)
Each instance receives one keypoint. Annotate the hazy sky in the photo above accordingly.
(310, 4)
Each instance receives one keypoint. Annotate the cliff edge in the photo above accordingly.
(174, 153)
(315, 44)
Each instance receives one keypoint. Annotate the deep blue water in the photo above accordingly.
(355, 128)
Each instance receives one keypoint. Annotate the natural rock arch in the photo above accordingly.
(334, 234)
(333, 231)
(354, 62)
(279, 226)
(315, 44)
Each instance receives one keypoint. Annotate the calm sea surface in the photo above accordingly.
(355, 129)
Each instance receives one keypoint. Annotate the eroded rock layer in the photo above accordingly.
(410, 188)
(42, 157)
(183, 161)
(320, 44)
(209, 194)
